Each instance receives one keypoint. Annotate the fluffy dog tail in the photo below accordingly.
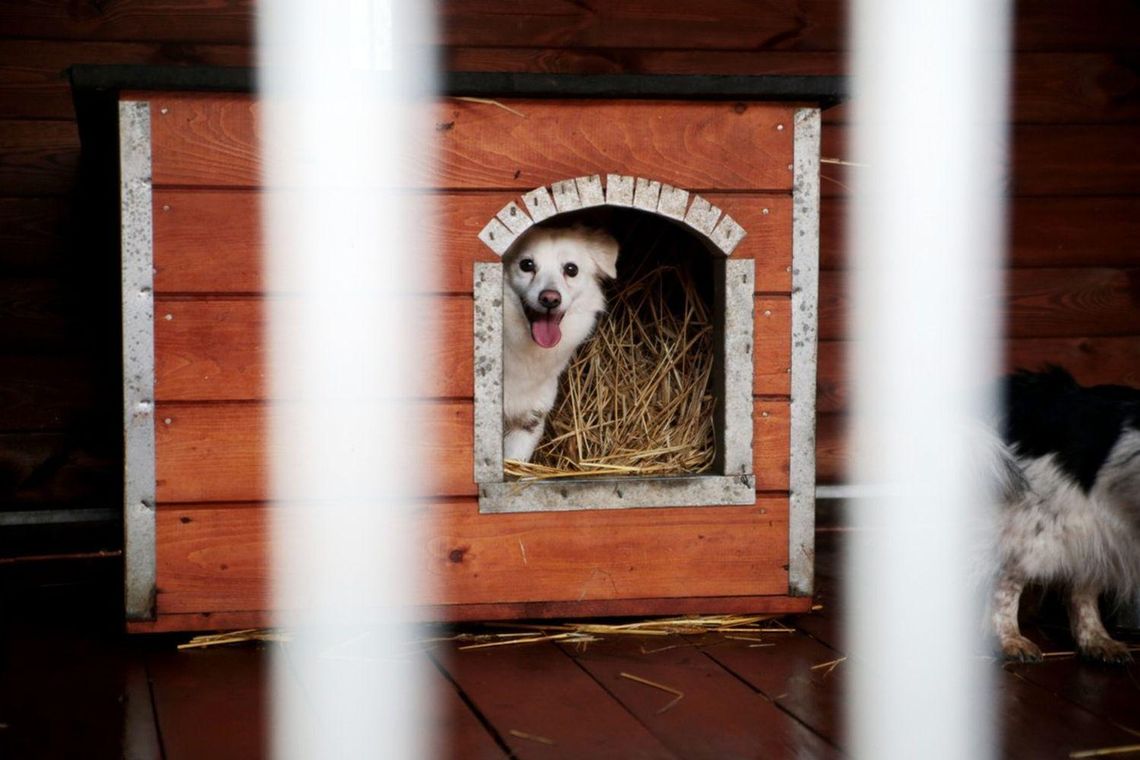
(995, 465)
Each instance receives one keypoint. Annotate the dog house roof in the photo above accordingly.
(823, 91)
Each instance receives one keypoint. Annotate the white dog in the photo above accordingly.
(552, 297)
(1074, 519)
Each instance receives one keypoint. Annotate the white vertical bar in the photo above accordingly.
(337, 96)
(926, 218)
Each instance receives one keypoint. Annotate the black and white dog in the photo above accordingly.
(1071, 511)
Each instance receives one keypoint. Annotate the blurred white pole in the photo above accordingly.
(344, 341)
(929, 101)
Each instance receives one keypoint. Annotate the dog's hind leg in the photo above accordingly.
(1007, 596)
(1092, 639)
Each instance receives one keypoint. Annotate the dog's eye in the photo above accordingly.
(571, 270)
(527, 265)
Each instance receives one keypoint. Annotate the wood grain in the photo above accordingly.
(1056, 87)
(210, 452)
(1092, 360)
(202, 20)
(217, 452)
(831, 465)
(37, 158)
(815, 25)
(59, 468)
(215, 349)
(35, 316)
(1048, 88)
(735, 721)
(784, 674)
(32, 85)
(555, 700)
(1046, 160)
(211, 242)
(211, 687)
(211, 141)
(44, 392)
(772, 353)
(1038, 303)
(32, 235)
(794, 27)
(64, 689)
(1045, 232)
(455, 731)
(214, 558)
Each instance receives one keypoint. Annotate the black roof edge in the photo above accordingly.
(825, 91)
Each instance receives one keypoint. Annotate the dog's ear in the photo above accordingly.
(603, 249)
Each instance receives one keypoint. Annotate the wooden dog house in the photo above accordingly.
(733, 160)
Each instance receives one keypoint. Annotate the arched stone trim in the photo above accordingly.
(632, 192)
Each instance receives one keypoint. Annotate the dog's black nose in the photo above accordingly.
(550, 299)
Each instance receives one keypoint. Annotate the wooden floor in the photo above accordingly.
(71, 689)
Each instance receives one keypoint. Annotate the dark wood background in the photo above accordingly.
(1074, 280)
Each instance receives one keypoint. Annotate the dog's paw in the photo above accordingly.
(1106, 650)
(1020, 649)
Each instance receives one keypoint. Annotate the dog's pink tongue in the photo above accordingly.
(545, 331)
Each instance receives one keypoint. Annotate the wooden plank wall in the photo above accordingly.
(1075, 181)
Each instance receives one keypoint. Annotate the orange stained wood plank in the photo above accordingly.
(214, 558)
(214, 349)
(772, 355)
(217, 452)
(771, 421)
(209, 241)
(211, 140)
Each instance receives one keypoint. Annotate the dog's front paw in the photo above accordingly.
(1106, 650)
(1020, 649)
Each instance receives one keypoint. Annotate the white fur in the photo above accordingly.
(531, 372)
(1054, 533)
